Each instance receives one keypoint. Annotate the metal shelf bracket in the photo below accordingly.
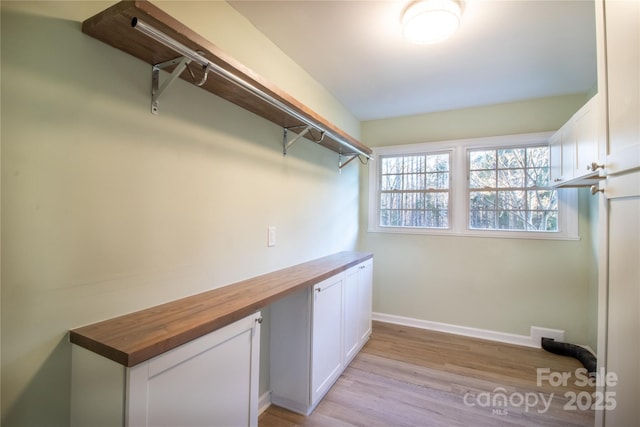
(342, 164)
(305, 130)
(157, 89)
(287, 144)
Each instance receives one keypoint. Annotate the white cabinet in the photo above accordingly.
(576, 148)
(212, 380)
(326, 336)
(306, 345)
(315, 333)
(357, 308)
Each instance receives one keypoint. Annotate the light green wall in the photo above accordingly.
(504, 285)
(107, 209)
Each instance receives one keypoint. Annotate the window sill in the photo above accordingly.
(489, 234)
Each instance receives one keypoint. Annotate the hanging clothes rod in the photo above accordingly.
(210, 66)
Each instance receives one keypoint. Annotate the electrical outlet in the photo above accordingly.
(271, 239)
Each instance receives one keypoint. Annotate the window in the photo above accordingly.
(491, 187)
(414, 191)
(508, 190)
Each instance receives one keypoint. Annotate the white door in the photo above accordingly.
(619, 345)
(326, 359)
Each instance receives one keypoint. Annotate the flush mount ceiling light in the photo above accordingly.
(430, 21)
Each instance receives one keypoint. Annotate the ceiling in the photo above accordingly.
(504, 51)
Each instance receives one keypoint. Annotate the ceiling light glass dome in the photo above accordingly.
(430, 21)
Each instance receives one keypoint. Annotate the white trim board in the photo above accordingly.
(264, 401)
(533, 340)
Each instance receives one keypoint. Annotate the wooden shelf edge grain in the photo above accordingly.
(113, 26)
(136, 337)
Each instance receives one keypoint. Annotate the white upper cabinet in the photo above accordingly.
(576, 149)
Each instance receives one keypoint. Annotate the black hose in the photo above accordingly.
(583, 355)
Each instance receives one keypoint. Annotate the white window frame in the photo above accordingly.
(459, 190)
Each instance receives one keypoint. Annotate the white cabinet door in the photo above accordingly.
(568, 150)
(365, 299)
(589, 151)
(562, 154)
(326, 353)
(555, 157)
(211, 381)
(351, 313)
(306, 345)
(357, 308)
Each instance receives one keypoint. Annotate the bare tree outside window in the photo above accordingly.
(414, 191)
(509, 190)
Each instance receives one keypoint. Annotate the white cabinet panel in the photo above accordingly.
(326, 345)
(365, 300)
(291, 351)
(351, 313)
(191, 380)
(357, 308)
(555, 158)
(210, 381)
(589, 149)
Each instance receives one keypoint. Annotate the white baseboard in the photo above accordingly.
(532, 340)
(264, 401)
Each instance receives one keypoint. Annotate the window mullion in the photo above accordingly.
(459, 191)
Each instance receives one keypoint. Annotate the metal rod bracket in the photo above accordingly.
(287, 144)
(342, 164)
(157, 89)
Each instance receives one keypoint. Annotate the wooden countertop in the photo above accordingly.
(139, 336)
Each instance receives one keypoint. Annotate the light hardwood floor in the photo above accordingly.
(412, 377)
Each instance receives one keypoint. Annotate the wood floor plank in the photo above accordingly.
(412, 377)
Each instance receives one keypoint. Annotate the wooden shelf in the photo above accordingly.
(113, 26)
(139, 336)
